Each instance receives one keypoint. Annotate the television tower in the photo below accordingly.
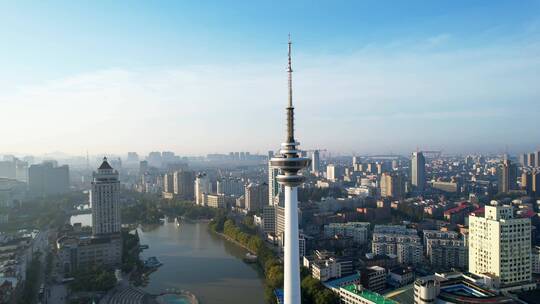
(289, 162)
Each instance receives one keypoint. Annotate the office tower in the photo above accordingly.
(418, 171)
(184, 182)
(507, 176)
(500, 245)
(537, 157)
(315, 162)
(48, 178)
(290, 163)
(168, 183)
(531, 159)
(392, 185)
(104, 200)
(202, 186)
(274, 188)
(255, 196)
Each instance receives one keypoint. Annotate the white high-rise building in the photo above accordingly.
(202, 186)
(274, 188)
(104, 200)
(500, 246)
(315, 162)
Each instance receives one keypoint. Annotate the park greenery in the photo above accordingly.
(244, 233)
(130, 251)
(40, 212)
(93, 279)
(150, 209)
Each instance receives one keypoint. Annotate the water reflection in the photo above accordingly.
(201, 262)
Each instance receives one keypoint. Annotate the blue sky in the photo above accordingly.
(195, 78)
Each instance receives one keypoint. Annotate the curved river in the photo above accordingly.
(203, 263)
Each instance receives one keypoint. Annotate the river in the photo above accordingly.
(201, 262)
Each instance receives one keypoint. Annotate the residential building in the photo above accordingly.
(445, 249)
(202, 186)
(359, 231)
(507, 176)
(500, 245)
(397, 240)
(392, 185)
(183, 182)
(255, 196)
(230, 186)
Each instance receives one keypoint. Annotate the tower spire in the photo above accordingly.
(290, 108)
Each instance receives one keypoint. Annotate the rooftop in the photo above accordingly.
(369, 295)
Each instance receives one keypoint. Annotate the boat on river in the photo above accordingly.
(250, 258)
(152, 262)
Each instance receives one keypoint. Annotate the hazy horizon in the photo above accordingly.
(210, 78)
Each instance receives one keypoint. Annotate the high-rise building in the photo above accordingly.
(535, 181)
(334, 172)
(274, 188)
(184, 182)
(418, 171)
(526, 182)
(315, 162)
(202, 186)
(255, 196)
(290, 164)
(168, 183)
(269, 219)
(392, 185)
(500, 245)
(523, 160)
(132, 157)
(231, 186)
(531, 159)
(507, 176)
(105, 201)
(48, 178)
(143, 167)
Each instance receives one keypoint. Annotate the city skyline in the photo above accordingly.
(183, 78)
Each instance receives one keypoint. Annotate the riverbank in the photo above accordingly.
(233, 241)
